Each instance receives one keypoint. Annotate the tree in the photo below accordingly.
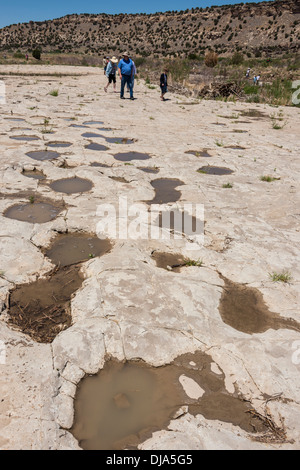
(211, 59)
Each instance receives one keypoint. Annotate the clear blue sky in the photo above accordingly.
(21, 11)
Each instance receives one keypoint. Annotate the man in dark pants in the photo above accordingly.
(126, 70)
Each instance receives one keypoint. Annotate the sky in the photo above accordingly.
(22, 11)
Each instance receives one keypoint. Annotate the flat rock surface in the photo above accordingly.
(127, 307)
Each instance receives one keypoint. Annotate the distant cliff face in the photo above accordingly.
(272, 27)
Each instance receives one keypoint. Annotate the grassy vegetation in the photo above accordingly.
(227, 185)
(281, 277)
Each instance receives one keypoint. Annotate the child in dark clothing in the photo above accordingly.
(163, 84)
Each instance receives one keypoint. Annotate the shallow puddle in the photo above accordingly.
(129, 156)
(59, 144)
(97, 147)
(244, 309)
(91, 123)
(235, 147)
(43, 155)
(199, 153)
(169, 261)
(34, 213)
(42, 309)
(14, 119)
(215, 170)
(21, 129)
(149, 169)
(119, 140)
(101, 165)
(25, 138)
(78, 126)
(165, 191)
(179, 221)
(91, 135)
(71, 185)
(35, 174)
(124, 403)
(72, 248)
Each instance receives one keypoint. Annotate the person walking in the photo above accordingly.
(126, 71)
(248, 72)
(111, 73)
(164, 84)
(133, 74)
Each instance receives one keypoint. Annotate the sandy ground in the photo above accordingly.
(128, 308)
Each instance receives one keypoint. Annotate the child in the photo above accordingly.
(163, 84)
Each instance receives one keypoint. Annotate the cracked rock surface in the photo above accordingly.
(127, 307)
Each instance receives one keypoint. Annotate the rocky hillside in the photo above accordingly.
(271, 27)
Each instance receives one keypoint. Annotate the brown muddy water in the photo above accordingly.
(71, 185)
(35, 174)
(243, 308)
(124, 403)
(101, 165)
(215, 170)
(169, 261)
(179, 221)
(43, 155)
(119, 140)
(165, 190)
(129, 156)
(149, 169)
(97, 147)
(73, 248)
(33, 212)
(42, 309)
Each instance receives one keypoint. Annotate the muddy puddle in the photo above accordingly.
(179, 221)
(35, 174)
(80, 126)
(149, 169)
(33, 212)
(244, 309)
(42, 309)
(235, 147)
(169, 261)
(25, 138)
(124, 403)
(59, 144)
(119, 140)
(129, 156)
(43, 155)
(20, 129)
(91, 135)
(199, 153)
(15, 119)
(91, 123)
(215, 170)
(97, 147)
(165, 190)
(101, 165)
(73, 248)
(71, 185)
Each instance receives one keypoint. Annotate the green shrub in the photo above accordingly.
(36, 53)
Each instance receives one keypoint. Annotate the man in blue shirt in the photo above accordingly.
(126, 71)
